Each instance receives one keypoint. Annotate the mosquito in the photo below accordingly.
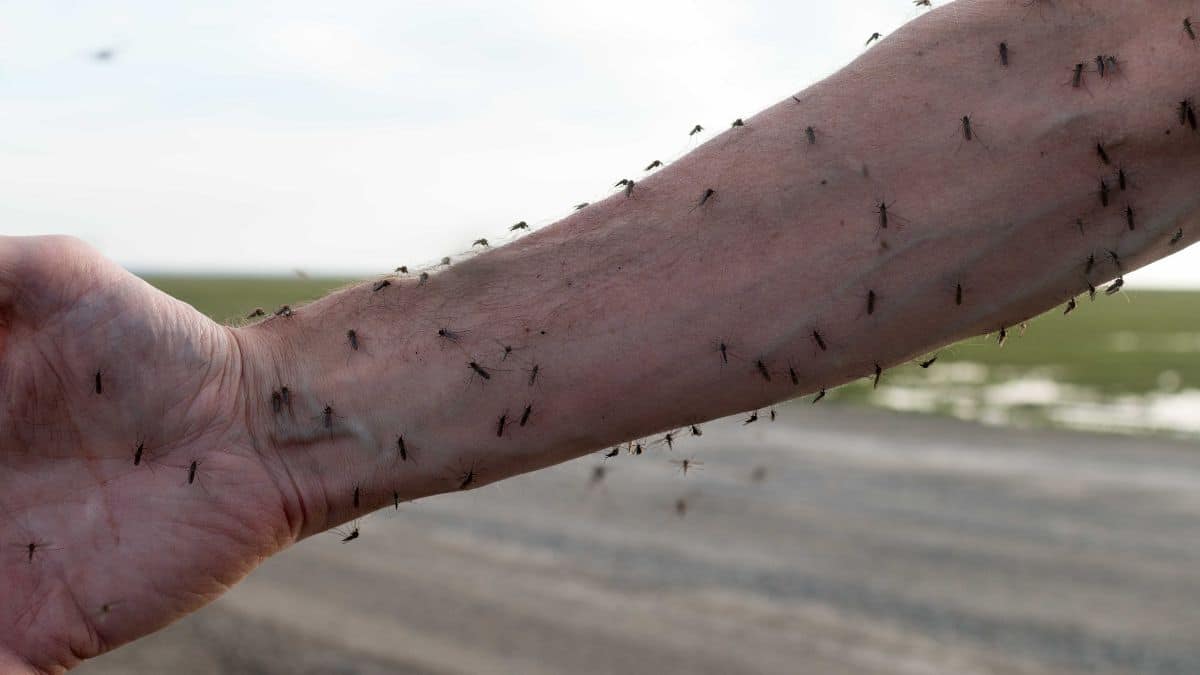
(687, 464)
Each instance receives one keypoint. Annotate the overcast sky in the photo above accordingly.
(357, 136)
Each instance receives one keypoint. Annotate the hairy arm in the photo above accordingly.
(768, 240)
(151, 459)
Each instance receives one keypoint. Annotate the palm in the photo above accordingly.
(95, 551)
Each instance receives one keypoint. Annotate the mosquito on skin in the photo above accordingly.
(32, 548)
(347, 534)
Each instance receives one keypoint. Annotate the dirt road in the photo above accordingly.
(875, 543)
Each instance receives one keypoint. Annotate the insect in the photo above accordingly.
(772, 414)
(380, 285)
(696, 431)
(820, 395)
(285, 311)
(1129, 217)
(402, 448)
(1090, 264)
(1113, 64)
(285, 395)
(479, 370)
(737, 123)
(192, 471)
(928, 362)
(450, 335)
(533, 374)
(1103, 193)
(257, 312)
(99, 382)
(637, 449)
(686, 464)
(794, 376)
(819, 340)
(1100, 69)
(403, 269)
(137, 453)
(923, 3)
(503, 422)
(445, 260)
(352, 338)
(1175, 239)
(811, 134)
(958, 294)
(423, 278)
(525, 415)
(669, 439)
(466, 478)
(881, 208)
(1187, 27)
(629, 189)
(33, 547)
(724, 349)
(653, 165)
(519, 226)
(968, 134)
(622, 183)
(1115, 286)
(598, 473)
(1121, 179)
(1091, 292)
(695, 130)
(357, 495)
(1191, 117)
(878, 374)
(1115, 258)
(1077, 77)
(708, 194)
(762, 370)
(751, 419)
(395, 500)
(1002, 336)
(612, 453)
(328, 415)
(581, 206)
(347, 535)
(873, 38)
(480, 242)
(1070, 307)
(1102, 153)
(1004, 53)
(870, 308)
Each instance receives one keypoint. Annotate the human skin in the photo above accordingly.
(621, 306)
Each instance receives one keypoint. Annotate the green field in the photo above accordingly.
(1124, 363)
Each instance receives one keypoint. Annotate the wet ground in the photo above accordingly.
(874, 543)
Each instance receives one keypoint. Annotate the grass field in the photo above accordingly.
(1127, 363)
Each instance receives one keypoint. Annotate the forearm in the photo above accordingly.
(623, 307)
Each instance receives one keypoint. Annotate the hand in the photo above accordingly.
(118, 419)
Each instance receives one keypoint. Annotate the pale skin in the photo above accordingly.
(622, 307)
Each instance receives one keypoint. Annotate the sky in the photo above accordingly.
(264, 137)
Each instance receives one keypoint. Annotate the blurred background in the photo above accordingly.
(1028, 509)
